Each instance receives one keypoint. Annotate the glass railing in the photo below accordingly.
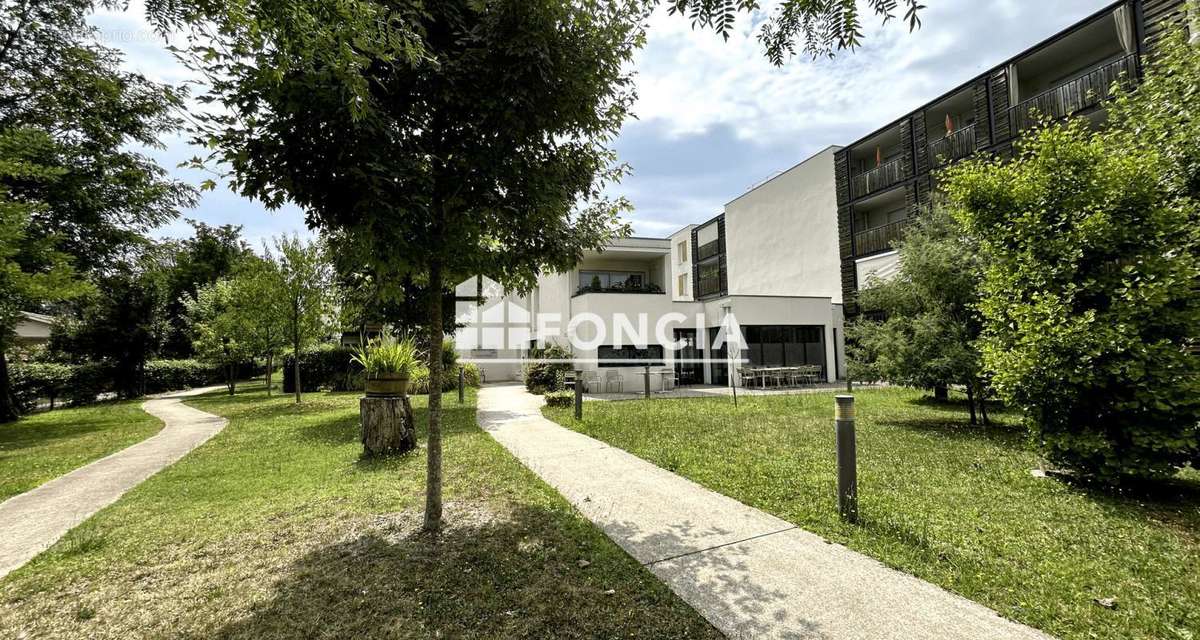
(1074, 96)
(879, 238)
(881, 177)
(954, 146)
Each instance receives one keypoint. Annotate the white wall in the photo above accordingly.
(782, 237)
(681, 268)
(885, 266)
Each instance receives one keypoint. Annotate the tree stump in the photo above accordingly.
(387, 426)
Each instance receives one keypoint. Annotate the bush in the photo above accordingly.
(547, 376)
(31, 381)
(172, 375)
(326, 366)
(560, 399)
(89, 380)
(1090, 306)
(419, 382)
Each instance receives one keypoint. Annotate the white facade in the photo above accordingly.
(782, 236)
(781, 273)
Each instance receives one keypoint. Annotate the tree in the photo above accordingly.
(32, 269)
(257, 299)
(930, 323)
(123, 322)
(212, 253)
(55, 79)
(307, 295)
(76, 196)
(1090, 304)
(217, 329)
(819, 27)
(484, 155)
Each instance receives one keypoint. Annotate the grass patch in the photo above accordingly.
(276, 529)
(43, 446)
(948, 502)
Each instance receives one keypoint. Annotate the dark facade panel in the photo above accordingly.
(983, 114)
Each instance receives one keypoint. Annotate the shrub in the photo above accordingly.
(89, 380)
(560, 399)
(325, 366)
(171, 375)
(418, 383)
(34, 380)
(541, 376)
(1090, 304)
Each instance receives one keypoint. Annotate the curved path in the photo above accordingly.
(749, 573)
(36, 519)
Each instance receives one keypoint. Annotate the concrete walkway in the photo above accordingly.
(36, 519)
(750, 574)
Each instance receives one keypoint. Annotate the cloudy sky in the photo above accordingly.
(714, 117)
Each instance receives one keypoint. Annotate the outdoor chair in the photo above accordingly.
(613, 377)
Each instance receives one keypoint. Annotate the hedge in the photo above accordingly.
(81, 384)
(326, 366)
(418, 383)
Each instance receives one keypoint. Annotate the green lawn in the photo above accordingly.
(950, 503)
(275, 529)
(44, 446)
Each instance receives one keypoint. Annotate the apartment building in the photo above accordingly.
(885, 178)
(767, 265)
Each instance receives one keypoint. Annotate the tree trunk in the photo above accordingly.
(433, 476)
(230, 373)
(971, 402)
(296, 363)
(8, 403)
(387, 426)
(941, 393)
(270, 370)
(987, 422)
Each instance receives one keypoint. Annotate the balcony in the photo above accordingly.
(620, 288)
(954, 146)
(881, 177)
(1073, 96)
(878, 239)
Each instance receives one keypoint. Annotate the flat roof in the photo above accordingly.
(835, 148)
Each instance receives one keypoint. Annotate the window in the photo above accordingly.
(683, 252)
(601, 280)
(786, 346)
(610, 356)
(709, 279)
(681, 288)
(708, 241)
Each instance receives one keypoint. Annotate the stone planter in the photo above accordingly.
(387, 385)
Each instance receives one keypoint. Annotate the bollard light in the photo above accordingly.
(578, 395)
(847, 457)
(461, 383)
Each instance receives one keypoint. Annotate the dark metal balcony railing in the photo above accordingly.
(955, 146)
(1074, 96)
(879, 238)
(619, 288)
(881, 177)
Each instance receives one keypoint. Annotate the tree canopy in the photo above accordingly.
(816, 27)
(926, 338)
(1089, 299)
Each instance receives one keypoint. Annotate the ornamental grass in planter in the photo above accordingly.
(387, 364)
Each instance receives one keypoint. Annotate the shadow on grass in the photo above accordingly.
(492, 575)
(1008, 435)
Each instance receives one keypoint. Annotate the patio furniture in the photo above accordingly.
(612, 377)
(591, 380)
(667, 376)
